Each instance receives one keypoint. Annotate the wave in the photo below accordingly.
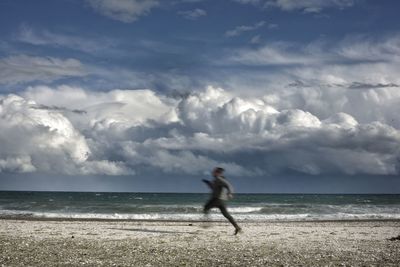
(151, 206)
(245, 209)
(244, 216)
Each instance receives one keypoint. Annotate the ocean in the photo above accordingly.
(188, 207)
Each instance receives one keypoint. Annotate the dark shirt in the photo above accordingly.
(218, 185)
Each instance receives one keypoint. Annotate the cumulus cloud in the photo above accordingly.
(256, 133)
(53, 139)
(123, 10)
(118, 107)
(23, 68)
(193, 14)
(37, 139)
(131, 131)
(120, 122)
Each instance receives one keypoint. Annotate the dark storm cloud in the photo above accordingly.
(358, 85)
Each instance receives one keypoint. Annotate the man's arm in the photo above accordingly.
(207, 182)
(227, 185)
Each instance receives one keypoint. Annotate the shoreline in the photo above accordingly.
(67, 219)
(188, 193)
(161, 243)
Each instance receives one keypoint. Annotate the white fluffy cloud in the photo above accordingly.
(23, 68)
(34, 138)
(125, 108)
(123, 10)
(71, 130)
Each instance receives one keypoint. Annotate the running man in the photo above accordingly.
(218, 196)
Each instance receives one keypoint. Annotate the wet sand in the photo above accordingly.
(139, 243)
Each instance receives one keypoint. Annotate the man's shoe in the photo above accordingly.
(238, 230)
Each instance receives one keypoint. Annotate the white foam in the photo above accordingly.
(244, 209)
(245, 216)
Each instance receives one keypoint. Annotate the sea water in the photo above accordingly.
(188, 207)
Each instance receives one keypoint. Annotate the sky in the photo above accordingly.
(289, 96)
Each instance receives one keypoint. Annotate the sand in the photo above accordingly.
(135, 243)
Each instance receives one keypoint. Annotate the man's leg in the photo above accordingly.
(226, 214)
(209, 205)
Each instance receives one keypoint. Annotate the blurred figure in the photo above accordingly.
(218, 187)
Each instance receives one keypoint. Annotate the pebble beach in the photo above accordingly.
(159, 243)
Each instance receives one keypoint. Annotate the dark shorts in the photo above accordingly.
(214, 203)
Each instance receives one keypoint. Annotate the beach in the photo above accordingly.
(38, 242)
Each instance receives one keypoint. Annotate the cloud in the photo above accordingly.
(321, 108)
(193, 14)
(253, 2)
(122, 108)
(44, 141)
(357, 85)
(190, 1)
(364, 47)
(17, 164)
(278, 53)
(23, 68)
(123, 10)
(136, 131)
(29, 35)
(257, 134)
(53, 140)
(307, 6)
(273, 26)
(351, 63)
(255, 39)
(353, 85)
(189, 163)
(241, 29)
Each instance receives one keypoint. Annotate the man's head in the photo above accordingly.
(218, 171)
